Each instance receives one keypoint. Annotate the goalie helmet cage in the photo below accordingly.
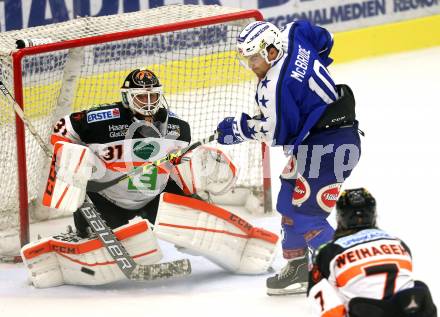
(190, 47)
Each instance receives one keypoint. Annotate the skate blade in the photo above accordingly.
(295, 289)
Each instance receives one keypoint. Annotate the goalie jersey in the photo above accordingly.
(369, 263)
(297, 88)
(123, 142)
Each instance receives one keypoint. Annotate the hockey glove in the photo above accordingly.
(233, 130)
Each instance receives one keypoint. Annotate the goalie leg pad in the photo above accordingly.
(69, 259)
(217, 234)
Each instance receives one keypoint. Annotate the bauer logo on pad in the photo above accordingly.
(102, 115)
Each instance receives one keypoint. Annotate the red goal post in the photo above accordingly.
(194, 61)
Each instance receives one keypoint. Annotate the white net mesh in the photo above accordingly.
(8, 155)
(202, 81)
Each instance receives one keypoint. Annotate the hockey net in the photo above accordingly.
(190, 48)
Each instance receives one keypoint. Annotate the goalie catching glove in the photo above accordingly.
(206, 170)
(215, 233)
(69, 259)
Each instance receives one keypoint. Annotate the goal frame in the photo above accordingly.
(18, 55)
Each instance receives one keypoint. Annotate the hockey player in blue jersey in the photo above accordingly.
(303, 110)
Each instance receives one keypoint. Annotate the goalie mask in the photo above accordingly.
(142, 92)
(356, 209)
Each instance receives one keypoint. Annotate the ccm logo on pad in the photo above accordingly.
(102, 115)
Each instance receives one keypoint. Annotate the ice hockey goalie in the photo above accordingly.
(193, 225)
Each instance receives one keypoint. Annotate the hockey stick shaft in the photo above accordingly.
(114, 247)
(97, 186)
(26, 122)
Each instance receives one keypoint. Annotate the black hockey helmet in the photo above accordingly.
(142, 92)
(355, 209)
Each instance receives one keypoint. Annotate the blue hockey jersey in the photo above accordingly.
(297, 88)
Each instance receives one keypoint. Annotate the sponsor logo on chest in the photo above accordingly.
(146, 150)
(173, 129)
(102, 115)
(361, 237)
(117, 130)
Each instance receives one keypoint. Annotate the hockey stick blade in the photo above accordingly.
(160, 271)
(95, 187)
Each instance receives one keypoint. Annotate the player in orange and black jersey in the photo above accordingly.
(364, 271)
(125, 134)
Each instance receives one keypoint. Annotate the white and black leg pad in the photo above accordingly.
(217, 234)
(69, 259)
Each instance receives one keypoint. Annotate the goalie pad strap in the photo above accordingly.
(62, 253)
(240, 223)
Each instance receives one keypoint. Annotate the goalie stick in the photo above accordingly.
(125, 262)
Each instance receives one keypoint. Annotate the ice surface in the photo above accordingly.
(399, 110)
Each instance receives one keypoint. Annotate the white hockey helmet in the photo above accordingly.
(256, 37)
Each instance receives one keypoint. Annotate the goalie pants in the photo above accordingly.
(306, 202)
(416, 301)
(116, 216)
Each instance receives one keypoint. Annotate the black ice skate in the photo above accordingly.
(293, 279)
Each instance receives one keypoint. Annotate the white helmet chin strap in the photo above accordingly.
(265, 55)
